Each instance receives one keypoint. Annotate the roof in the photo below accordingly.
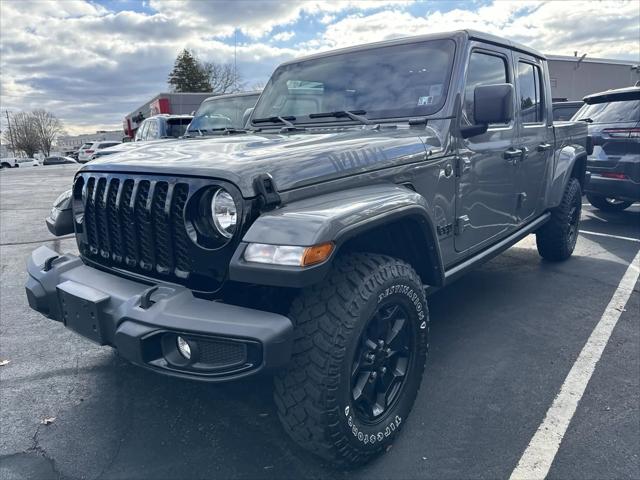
(232, 95)
(627, 93)
(569, 103)
(170, 115)
(587, 59)
(467, 34)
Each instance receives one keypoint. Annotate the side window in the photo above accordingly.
(152, 133)
(141, 134)
(484, 69)
(530, 97)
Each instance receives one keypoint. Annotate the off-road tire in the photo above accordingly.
(557, 238)
(314, 393)
(601, 203)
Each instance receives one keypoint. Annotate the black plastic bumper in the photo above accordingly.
(143, 321)
(613, 188)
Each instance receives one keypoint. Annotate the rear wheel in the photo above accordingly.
(358, 358)
(557, 238)
(5, 165)
(607, 204)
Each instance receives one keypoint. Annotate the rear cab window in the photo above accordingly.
(530, 93)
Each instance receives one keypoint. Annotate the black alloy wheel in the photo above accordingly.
(381, 363)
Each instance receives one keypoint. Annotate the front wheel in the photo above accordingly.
(358, 358)
(557, 238)
(607, 204)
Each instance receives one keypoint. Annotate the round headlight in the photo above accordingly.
(224, 213)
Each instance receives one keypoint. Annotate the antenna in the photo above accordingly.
(235, 55)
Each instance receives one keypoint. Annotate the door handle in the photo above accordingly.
(543, 147)
(512, 154)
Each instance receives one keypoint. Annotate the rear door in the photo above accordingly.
(485, 203)
(535, 136)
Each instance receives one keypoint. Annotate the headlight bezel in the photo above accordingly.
(199, 219)
(214, 216)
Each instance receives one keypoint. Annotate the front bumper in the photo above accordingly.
(627, 189)
(142, 321)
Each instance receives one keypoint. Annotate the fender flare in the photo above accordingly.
(334, 217)
(566, 160)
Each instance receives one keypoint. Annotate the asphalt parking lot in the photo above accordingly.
(503, 340)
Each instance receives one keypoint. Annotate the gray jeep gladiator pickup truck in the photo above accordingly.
(304, 244)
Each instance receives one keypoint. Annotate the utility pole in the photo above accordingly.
(11, 139)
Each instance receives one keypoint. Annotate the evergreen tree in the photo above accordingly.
(188, 74)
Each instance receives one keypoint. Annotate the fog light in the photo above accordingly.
(184, 348)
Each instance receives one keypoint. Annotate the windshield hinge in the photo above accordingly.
(267, 192)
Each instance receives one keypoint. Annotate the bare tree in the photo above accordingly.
(224, 78)
(22, 134)
(259, 85)
(48, 128)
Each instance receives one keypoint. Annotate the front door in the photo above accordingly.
(486, 196)
(535, 136)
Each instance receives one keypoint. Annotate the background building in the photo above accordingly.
(74, 142)
(574, 77)
(173, 103)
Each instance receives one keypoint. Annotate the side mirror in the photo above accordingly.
(60, 219)
(246, 115)
(491, 104)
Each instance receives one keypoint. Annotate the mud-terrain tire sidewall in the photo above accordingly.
(375, 437)
(313, 394)
(601, 203)
(552, 239)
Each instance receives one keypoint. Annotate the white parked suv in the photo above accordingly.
(88, 149)
(14, 162)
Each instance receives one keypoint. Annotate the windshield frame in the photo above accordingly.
(305, 120)
(191, 129)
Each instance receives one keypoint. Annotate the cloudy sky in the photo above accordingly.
(92, 62)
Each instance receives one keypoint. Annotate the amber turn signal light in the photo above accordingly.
(316, 254)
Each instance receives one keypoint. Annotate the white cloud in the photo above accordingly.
(92, 65)
(283, 36)
(599, 28)
(256, 18)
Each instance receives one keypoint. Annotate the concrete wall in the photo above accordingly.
(573, 80)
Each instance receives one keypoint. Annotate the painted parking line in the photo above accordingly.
(539, 454)
(598, 234)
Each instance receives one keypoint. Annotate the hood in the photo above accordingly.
(293, 160)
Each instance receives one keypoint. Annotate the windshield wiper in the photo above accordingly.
(353, 115)
(285, 120)
(229, 130)
(586, 119)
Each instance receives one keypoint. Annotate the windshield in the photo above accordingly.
(177, 126)
(385, 82)
(610, 112)
(219, 113)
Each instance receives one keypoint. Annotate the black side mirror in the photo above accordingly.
(60, 219)
(491, 104)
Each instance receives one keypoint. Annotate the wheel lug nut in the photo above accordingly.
(373, 376)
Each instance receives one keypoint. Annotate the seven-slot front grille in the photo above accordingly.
(136, 224)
